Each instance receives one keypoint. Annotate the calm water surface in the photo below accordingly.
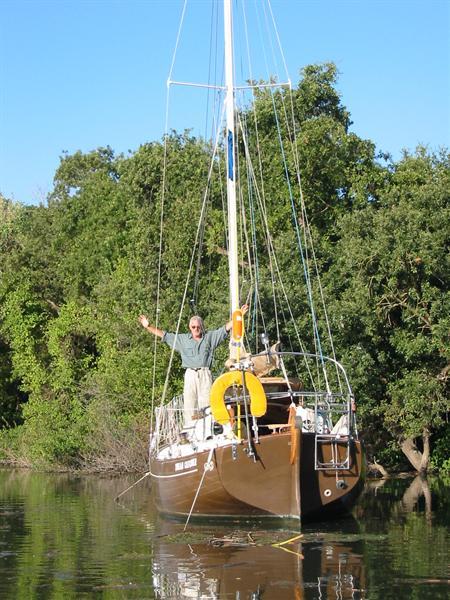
(64, 536)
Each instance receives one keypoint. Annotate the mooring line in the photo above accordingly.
(206, 467)
(132, 486)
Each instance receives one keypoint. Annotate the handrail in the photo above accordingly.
(323, 358)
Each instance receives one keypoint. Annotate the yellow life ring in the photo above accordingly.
(258, 402)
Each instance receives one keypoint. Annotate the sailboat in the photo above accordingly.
(279, 439)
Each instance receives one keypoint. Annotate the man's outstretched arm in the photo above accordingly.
(151, 328)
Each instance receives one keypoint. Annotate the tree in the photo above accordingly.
(11, 397)
(395, 302)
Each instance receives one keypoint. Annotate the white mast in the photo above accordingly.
(231, 171)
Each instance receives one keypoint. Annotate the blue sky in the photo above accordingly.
(80, 74)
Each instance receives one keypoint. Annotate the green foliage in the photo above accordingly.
(11, 397)
(23, 322)
(393, 297)
(416, 403)
(317, 95)
(71, 346)
(9, 213)
(440, 461)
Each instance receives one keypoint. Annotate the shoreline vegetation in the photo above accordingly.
(76, 369)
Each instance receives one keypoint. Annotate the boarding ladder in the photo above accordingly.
(339, 439)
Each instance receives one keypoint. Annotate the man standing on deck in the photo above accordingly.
(197, 350)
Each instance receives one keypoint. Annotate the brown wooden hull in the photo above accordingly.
(325, 493)
(235, 486)
(273, 485)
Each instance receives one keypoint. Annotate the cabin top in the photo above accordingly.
(280, 384)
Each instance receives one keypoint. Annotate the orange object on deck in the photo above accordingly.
(291, 422)
(238, 325)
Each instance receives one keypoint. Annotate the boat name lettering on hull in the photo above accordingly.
(186, 464)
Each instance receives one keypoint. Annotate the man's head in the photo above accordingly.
(196, 327)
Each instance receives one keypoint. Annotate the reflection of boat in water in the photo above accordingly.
(338, 573)
(204, 571)
(285, 445)
(300, 570)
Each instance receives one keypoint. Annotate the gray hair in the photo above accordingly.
(199, 321)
